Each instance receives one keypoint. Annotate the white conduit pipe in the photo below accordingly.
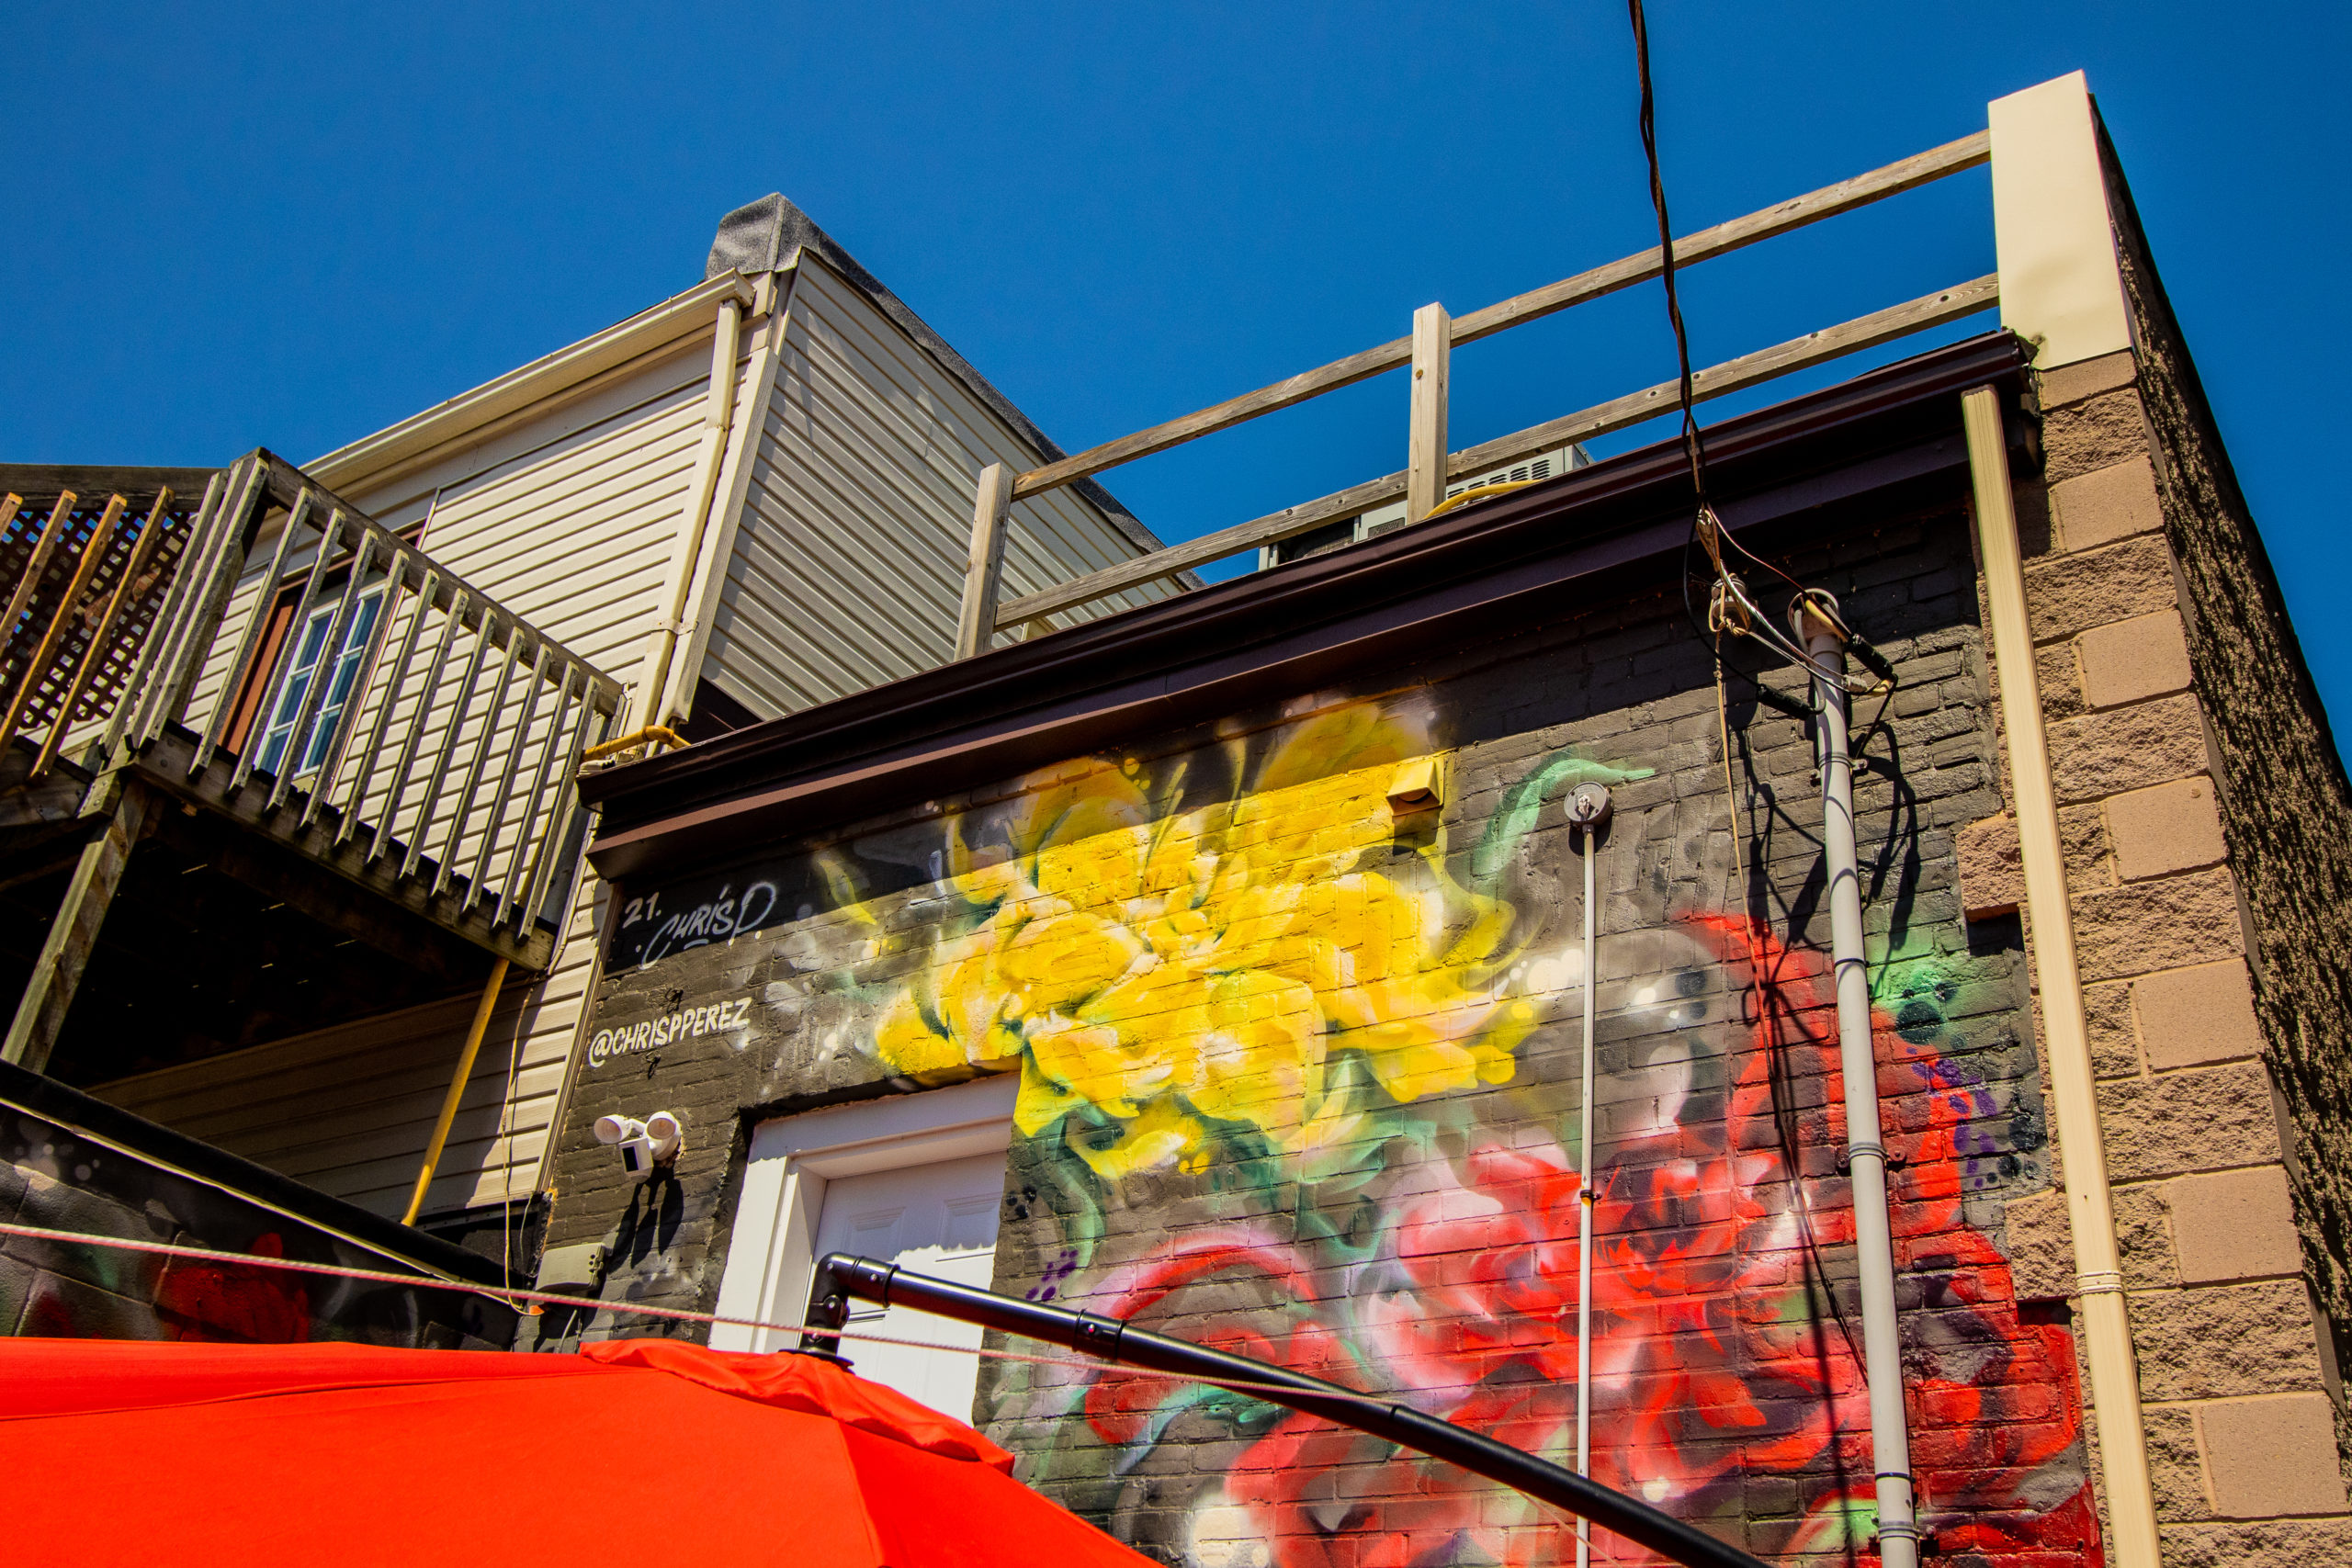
(719, 413)
(1898, 1529)
(1588, 808)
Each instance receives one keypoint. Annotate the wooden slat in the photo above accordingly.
(474, 769)
(1425, 446)
(86, 568)
(451, 732)
(273, 681)
(314, 695)
(346, 722)
(95, 652)
(420, 604)
(558, 822)
(397, 786)
(1731, 375)
(50, 533)
(509, 890)
(1861, 190)
(248, 636)
(508, 776)
(984, 570)
(209, 568)
(49, 994)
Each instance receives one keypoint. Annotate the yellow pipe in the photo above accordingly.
(2098, 1265)
(1478, 492)
(630, 742)
(457, 1090)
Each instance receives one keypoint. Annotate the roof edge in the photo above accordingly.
(762, 235)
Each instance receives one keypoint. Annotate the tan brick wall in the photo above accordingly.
(2241, 1425)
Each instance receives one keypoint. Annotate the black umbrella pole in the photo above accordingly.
(841, 1277)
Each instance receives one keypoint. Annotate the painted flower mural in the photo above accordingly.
(1290, 1085)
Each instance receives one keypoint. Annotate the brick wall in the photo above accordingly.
(1300, 1075)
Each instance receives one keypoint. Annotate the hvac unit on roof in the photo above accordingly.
(1380, 520)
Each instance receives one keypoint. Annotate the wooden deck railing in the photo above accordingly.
(381, 715)
(1427, 350)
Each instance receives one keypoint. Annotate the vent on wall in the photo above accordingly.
(1339, 536)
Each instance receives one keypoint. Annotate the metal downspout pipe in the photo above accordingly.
(1898, 1529)
(719, 413)
(1587, 809)
(2066, 1038)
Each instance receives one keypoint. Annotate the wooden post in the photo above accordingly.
(1425, 468)
(57, 974)
(984, 572)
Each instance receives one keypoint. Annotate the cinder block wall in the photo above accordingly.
(2159, 638)
(1301, 1076)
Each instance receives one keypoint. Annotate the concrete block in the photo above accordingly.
(2234, 1225)
(2168, 827)
(2162, 924)
(2108, 505)
(2271, 1543)
(2225, 1341)
(2096, 754)
(1992, 875)
(2268, 1458)
(2131, 660)
(2086, 379)
(2097, 432)
(2180, 1124)
(2069, 594)
(2197, 1016)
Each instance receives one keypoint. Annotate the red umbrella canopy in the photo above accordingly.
(632, 1451)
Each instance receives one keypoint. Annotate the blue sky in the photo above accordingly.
(291, 225)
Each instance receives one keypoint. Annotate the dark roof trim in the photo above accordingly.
(53, 1101)
(762, 236)
(46, 481)
(1209, 653)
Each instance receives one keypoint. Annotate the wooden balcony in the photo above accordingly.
(245, 666)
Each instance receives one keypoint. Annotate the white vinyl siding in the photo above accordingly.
(569, 523)
(847, 569)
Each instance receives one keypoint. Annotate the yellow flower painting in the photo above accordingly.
(1173, 976)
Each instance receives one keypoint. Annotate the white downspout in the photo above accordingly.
(2065, 1036)
(1898, 1529)
(719, 412)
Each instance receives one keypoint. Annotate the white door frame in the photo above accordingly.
(792, 1158)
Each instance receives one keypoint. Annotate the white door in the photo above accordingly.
(937, 1219)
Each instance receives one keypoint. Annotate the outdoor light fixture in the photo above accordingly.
(644, 1145)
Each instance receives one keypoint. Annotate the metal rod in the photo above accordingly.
(1898, 1530)
(1585, 1195)
(841, 1277)
(479, 1027)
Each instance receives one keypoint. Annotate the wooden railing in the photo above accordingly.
(382, 713)
(1427, 350)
